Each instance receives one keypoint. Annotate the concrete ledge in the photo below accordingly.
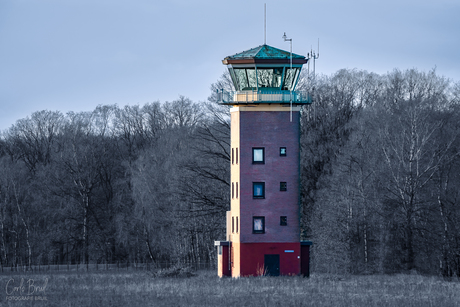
(221, 243)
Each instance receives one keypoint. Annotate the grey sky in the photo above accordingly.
(73, 55)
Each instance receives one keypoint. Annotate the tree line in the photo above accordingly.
(380, 171)
(133, 184)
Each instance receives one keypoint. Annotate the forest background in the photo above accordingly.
(380, 171)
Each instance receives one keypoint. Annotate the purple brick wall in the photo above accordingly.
(270, 130)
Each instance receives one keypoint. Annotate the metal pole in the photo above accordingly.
(265, 23)
(292, 77)
(290, 93)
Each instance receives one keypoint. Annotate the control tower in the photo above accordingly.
(263, 224)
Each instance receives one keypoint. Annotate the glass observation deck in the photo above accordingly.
(274, 78)
(264, 75)
(262, 96)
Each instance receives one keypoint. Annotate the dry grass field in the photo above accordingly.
(205, 289)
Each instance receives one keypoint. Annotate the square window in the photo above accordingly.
(258, 189)
(283, 186)
(258, 224)
(258, 155)
(282, 151)
(283, 220)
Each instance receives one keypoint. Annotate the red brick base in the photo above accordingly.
(252, 258)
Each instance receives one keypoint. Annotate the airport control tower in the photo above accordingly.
(263, 224)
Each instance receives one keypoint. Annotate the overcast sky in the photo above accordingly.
(72, 55)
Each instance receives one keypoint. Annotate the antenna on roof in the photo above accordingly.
(265, 23)
(312, 55)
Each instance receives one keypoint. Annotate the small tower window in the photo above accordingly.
(233, 224)
(258, 224)
(236, 190)
(283, 151)
(236, 224)
(258, 155)
(232, 156)
(258, 189)
(236, 156)
(283, 186)
(233, 190)
(283, 220)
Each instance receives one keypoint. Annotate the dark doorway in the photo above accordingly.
(272, 265)
(305, 258)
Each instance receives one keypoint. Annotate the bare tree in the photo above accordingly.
(31, 139)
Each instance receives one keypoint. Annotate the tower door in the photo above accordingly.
(272, 265)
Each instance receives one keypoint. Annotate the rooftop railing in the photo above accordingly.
(261, 96)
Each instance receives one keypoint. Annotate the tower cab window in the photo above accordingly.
(264, 78)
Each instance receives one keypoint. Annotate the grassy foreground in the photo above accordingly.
(205, 289)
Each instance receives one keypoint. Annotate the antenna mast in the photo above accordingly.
(265, 23)
(313, 55)
(290, 90)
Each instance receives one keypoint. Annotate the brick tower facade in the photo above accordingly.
(263, 224)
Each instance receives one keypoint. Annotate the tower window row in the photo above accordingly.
(258, 154)
(258, 223)
(258, 189)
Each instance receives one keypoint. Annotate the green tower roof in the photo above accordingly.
(264, 54)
